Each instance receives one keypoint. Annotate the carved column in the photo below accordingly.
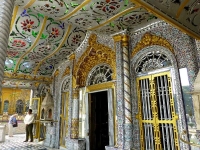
(119, 94)
(6, 7)
(75, 115)
(123, 98)
(127, 93)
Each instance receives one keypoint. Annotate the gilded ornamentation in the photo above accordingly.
(125, 39)
(94, 55)
(117, 38)
(27, 77)
(37, 84)
(72, 57)
(74, 128)
(56, 73)
(67, 72)
(100, 86)
(75, 93)
(148, 40)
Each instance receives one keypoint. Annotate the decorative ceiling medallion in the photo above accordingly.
(33, 45)
(114, 17)
(53, 8)
(94, 55)
(148, 40)
(58, 48)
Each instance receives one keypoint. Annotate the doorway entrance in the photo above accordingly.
(99, 127)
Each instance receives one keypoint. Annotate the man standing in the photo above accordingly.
(28, 120)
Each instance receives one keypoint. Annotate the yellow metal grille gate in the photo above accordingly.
(156, 113)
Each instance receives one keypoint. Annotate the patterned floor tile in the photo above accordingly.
(16, 143)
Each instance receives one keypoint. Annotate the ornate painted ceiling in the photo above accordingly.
(43, 33)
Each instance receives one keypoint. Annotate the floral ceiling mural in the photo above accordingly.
(44, 33)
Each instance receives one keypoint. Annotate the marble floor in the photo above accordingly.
(16, 143)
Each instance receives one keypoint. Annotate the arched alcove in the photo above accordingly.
(156, 95)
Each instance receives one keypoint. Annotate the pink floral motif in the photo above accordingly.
(12, 53)
(54, 33)
(27, 25)
(109, 6)
(76, 39)
(18, 43)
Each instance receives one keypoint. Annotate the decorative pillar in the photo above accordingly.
(6, 7)
(127, 94)
(119, 93)
(75, 115)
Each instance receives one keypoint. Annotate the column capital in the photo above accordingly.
(76, 93)
(117, 38)
(125, 40)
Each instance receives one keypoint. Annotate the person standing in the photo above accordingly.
(28, 120)
(11, 122)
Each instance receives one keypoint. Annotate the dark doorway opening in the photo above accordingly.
(99, 137)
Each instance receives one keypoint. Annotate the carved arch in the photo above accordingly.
(95, 54)
(148, 40)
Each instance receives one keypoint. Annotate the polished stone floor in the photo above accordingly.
(16, 143)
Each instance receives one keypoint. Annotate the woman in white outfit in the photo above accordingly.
(12, 120)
